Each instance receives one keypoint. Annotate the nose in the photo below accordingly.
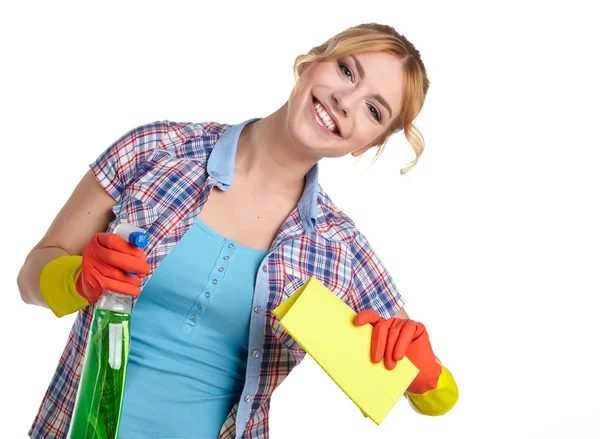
(341, 103)
(346, 100)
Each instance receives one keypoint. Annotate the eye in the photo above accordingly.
(375, 112)
(344, 68)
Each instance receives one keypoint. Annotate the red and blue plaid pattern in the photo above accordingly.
(160, 177)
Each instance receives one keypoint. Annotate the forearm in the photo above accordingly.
(28, 279)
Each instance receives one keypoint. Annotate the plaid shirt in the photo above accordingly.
(161, 174)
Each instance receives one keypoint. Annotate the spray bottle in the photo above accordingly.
(99, 398)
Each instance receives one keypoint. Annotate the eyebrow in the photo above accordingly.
(361, 73)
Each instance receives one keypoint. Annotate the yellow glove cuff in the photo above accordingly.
(437, 401)
(57, 284)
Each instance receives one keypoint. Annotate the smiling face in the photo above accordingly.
(344, 106)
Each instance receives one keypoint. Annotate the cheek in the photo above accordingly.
(365, 132)
(296, 106)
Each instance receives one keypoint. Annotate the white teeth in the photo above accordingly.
(325, 117)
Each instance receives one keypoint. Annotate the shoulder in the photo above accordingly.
(187, 140)
(168, 135)
(133, 152)
(191, 140)
(195, 130)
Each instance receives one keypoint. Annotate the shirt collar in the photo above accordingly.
(222, 160)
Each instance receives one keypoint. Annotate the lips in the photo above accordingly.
(327, 109)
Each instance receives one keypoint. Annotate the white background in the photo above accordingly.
(493, 239)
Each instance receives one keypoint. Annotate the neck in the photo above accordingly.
(267, 155)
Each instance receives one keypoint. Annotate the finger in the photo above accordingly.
(122, 288)
(115, 273)
(379, 338)
(124, 261)
(116, 242)
(367, 316)
(420, 330)
(91, 284)
(392, 337)
(117, 286)
(99, 283)
(404, 339)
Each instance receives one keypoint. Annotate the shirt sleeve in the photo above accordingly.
(373, 284)
(119, 164)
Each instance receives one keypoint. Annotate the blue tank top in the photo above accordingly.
(189, 339)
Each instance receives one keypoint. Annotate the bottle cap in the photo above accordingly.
(139, 239)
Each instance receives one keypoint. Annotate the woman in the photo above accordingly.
(240, 214)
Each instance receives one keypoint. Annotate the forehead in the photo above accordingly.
(384, 74)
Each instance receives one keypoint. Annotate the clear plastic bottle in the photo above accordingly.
(100, 395)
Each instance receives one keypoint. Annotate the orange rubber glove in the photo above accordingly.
(106, 260)
(394, 338)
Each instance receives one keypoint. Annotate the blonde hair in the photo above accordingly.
(379, 37)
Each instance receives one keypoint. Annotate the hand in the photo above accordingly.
(105, 261)
(394, 338)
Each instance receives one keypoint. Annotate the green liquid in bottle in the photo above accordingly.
(99, 401)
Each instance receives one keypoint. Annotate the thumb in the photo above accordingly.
(367, 316)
